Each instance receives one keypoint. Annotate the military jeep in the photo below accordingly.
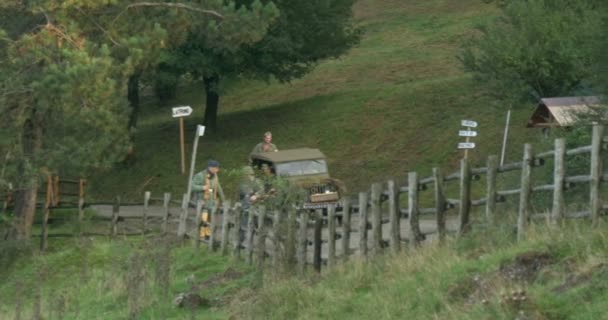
(306, 168)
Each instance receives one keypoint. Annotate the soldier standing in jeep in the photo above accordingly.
(265, 146)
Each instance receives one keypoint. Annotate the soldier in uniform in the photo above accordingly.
(266, 145)
(206, 186)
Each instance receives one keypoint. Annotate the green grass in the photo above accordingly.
(391, 105)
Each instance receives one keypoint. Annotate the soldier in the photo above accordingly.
(206, 186)
(266, 145)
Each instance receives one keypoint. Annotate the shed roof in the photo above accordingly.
(561, 111)
(290, 155)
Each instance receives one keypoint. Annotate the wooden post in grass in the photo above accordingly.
(166, 202)
(331, 241)
(492, 164)
(412, 192)
(394, 217)
(115, 214)
(525, 191)
(226, 217)
(376, 219)
(302, 242)
(181, 227)
(290, 241)
(260, 245)
(237, 230)
(249, 235)
(595, 199)
(81, 193)
(56, 192)
(559, 176)
(316, 257)
(144, 219)
(46, 213)
(363, 224)
(346, 226)
(214, 236)
(439, 203)
(276, 243)
(464, 207)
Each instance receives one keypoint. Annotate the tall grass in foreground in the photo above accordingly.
(557, 273)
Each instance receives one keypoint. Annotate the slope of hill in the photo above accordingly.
(393, 104)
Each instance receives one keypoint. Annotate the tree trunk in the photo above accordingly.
(212, 101)
(133, 96)
(25, 211)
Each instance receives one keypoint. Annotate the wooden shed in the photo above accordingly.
(561, 112)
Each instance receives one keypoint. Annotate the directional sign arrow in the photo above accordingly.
(469, 123)
(467, 133)
(181, 111)
(466, 145)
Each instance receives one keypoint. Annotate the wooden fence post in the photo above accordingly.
(181, 227)
(237, 230)
(346, 227)
(144, 224)
(303, 242)
(559, 175)
(56, 192)
(249, 235)
(363, 224)
(595, 198)
(261, 237)
(526, 188)
(464, 207)
(166, 202)
(290, 241)
(331, 241)
(81, 194)
(439, 203)
(226, 217)
(376, 219)
(492, 164)
(394, 213)
(198, 222)
(213, 237)
(115, 213)
(276, 242)
(46, 213)
(317, 241)
(414, 224)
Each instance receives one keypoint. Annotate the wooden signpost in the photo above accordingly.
(468, 134)
(181, 112)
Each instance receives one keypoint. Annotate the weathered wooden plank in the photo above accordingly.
(511, 192)
(346, 228)
(181, 228)
(227, 216)
(376, 219)
(412, 199)
(595, 185)
(213, 226)
(526, 190)
(491, 176)
(260, 243)
(577, 179)
(440, 202)
(249, 235)
(331, 241)
(115, 214)
(394, 217)
(544, 187)
(144, 218)
(363, 224)
(302, 242)
(559, 173)
(579, 150)
(166, 202)
(464, 205)
(290, 241)
(237, 230)
(198, 222)
(317, 242)
(276, 243)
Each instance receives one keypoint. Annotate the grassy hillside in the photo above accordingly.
(393, 104)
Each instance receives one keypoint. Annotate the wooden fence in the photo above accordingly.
(375, 221)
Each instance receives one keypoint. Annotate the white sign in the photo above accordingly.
(200, 130)
(467, 133)
(466, 145)
(469, 123)
(181, 111)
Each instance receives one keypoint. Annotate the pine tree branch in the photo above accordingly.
(169, 5)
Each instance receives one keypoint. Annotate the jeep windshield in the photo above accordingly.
(299, 168)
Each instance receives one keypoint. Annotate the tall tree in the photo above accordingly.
(536, 48)
(305, 33)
